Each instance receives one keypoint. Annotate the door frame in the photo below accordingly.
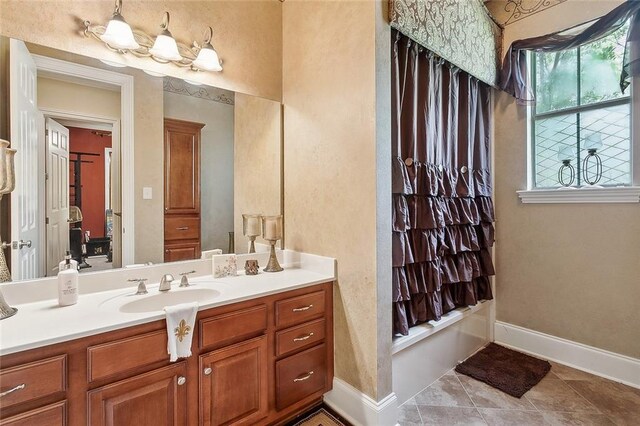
(127, 169)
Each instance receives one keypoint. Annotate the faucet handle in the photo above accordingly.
(142, 288)
(184, 281)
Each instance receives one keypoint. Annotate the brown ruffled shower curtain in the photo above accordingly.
(442, 207)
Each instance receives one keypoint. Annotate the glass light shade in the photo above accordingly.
(207, 59)
(272, 227)
(165, 48)
(118, 34)
(593, 141)
(566, 152)
(251, 225)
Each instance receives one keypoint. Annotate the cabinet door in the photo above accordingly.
(153, 399)
(233, 384)
(182, 167)
(181, 251)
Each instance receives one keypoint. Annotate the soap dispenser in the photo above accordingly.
(68, 281)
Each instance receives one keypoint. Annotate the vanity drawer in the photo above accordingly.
(299, 309)
(181, 228)
(300, 376)
(299, 336)
(33, 380)
(233, 326)
(107, 359)
(50, 415)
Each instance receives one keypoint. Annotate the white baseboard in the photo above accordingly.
(596, 361)
(360, 409)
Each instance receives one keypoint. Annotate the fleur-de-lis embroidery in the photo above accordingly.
(182, 330)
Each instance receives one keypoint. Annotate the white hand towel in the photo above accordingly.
(181, 320)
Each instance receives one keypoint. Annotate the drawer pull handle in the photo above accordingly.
(182, 380)
(303, 378)
(304, 308)
(183, 228)
(207, 371)
(300, 339)
(17, 388)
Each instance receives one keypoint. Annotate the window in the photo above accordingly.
(579, 107)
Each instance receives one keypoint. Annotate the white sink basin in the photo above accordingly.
(157, 301)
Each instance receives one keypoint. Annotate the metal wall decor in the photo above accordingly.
(520, 9)
(163, 48)
(566, 166)
(588, 174)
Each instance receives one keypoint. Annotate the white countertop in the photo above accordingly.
(43, 322)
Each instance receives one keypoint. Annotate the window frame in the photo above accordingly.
(585, 194)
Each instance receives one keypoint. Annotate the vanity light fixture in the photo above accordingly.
(118, 33)
(119, 37)
(165, 47)
(207, 59)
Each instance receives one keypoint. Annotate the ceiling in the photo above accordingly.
(506, 12)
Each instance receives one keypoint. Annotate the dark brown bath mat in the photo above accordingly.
(510, 371)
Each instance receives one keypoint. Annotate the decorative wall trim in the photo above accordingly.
(603, 363)
(175, 85)
(360, 409)
(628, 194)
(520, 9)
(461, 32)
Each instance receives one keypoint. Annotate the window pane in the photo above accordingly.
(556, 80)
(611, 126)
(600, 68)
(555, 140)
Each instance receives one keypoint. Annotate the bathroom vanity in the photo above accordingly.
(262, 352)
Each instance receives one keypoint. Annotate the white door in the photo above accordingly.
(57, 194)
(116, 198)
(25, 226)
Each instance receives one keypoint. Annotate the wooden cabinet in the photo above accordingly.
(181, 189)
(260, 361)
(234, 388)
(174, 252)
(50, 415)
(152, 399)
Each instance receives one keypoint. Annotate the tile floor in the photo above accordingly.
(564, 397)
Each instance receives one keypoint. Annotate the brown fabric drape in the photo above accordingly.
(442, 207)
(513, 76)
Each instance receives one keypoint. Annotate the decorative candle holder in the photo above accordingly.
(272, 232)
(251, 229)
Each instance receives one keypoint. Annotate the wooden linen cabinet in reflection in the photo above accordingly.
(181, 190)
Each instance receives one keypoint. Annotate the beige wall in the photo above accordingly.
(569, 270)
(216, 163)
(64, 96)
(247, 35)
(257, 162)
(329, 93)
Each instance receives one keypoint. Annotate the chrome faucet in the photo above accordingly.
(165, 282)
(142, 288)
(184, 281)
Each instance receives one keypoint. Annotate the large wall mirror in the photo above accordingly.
(123, 167)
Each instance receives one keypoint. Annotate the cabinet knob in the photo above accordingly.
(207, 371)
(182, 380)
